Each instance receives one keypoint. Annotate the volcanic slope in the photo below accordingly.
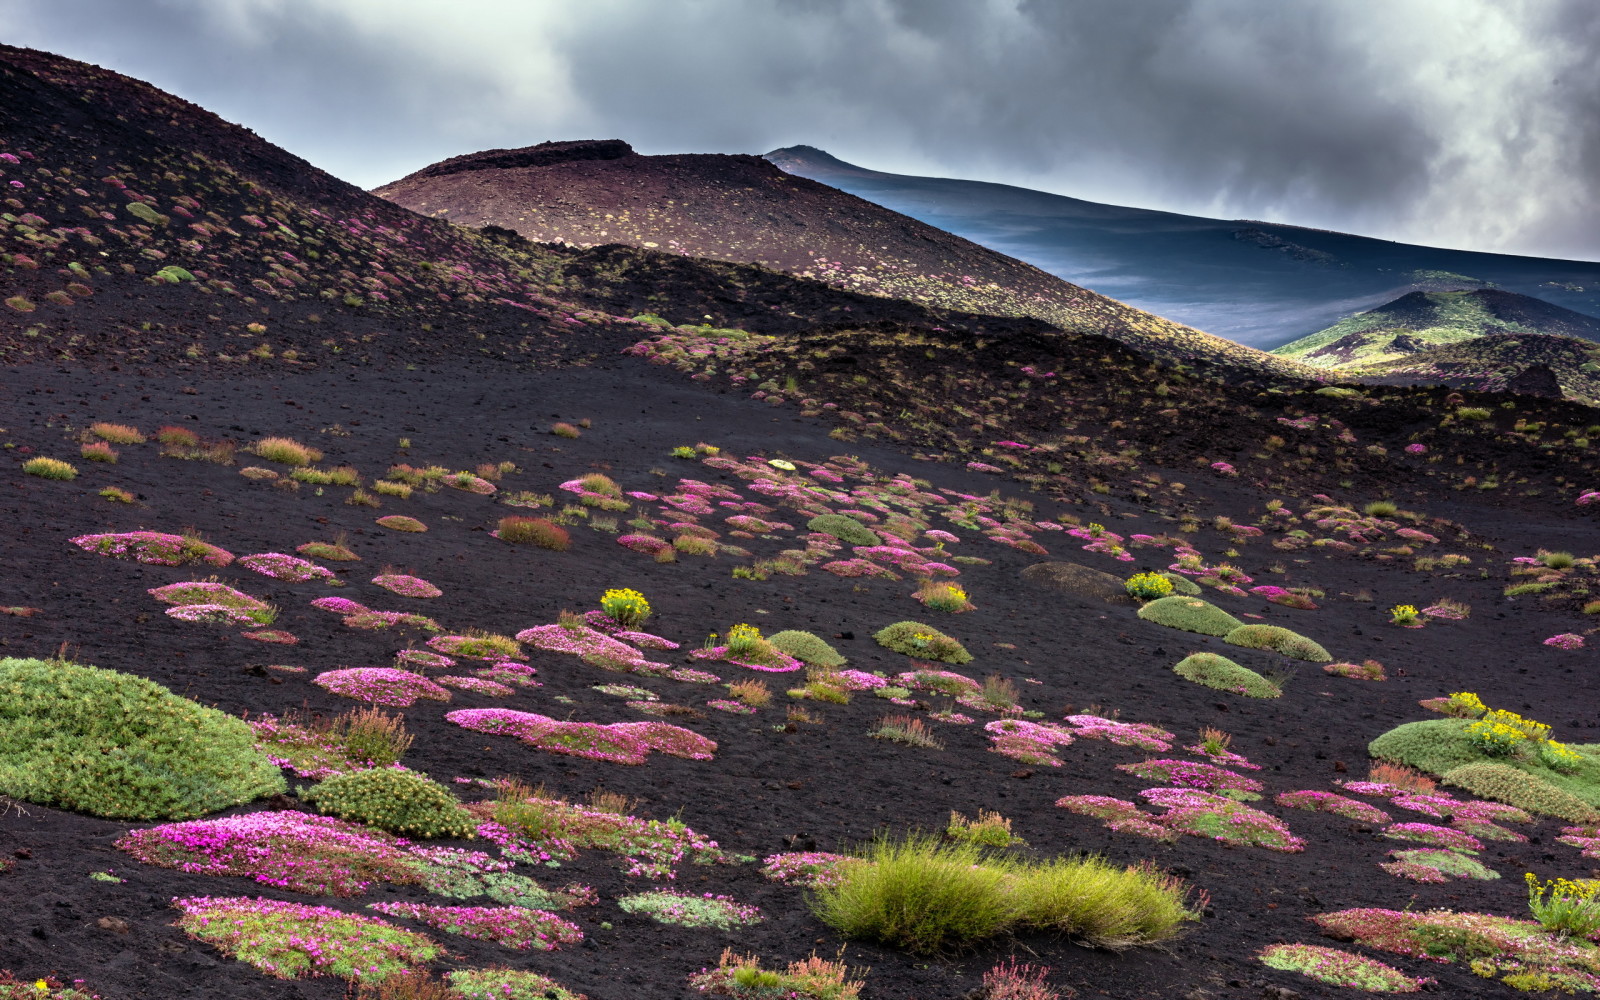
(137, 227)
(1259, 283)
(742, 208)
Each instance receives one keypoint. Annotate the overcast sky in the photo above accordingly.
(1462, 123)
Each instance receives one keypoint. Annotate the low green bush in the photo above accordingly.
(812, 650)
(404, 802)
(929, 896)
(1443, 747)
(922, 641)
(1279, 640)
(1183, 585)
(1225, 675)
(1190, 614)
(116, 745)
(845, 528)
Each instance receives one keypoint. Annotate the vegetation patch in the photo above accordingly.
(1219, 672)
(154, 547)
(112, 744)
(515, 927)
(1278, 640)
(682, 909)
(742, 977)
(1190, 614)
(291, 940)
(381, 685)
(400, 522)
(1340, 968)
(923, 642)
(395, 799)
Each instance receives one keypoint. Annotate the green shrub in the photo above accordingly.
(1472, 413)
(404, 802)
(1515, 787)
(1148, 586)
(812, 650)
(1225, 675)
(1443, 747)
(928, 896)
(49, 468)
(922, 641)
(845, 528)
(1279, 640)
(1190, 614)
(1381, 508)
(112, 744)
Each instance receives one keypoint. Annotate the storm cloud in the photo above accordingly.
(1464, 123)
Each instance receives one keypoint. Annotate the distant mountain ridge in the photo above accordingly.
(1260, 283)
(745, 209)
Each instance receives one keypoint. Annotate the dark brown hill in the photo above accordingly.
(745, 209)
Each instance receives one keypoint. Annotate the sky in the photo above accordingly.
(1472, 124)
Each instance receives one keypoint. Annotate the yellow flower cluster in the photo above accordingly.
(1536, 731)
(1494, 738)
(1500, 733)
(1148, 586)
(627, 607)
(1468, 702)
(1576, 889)
(1403, 614)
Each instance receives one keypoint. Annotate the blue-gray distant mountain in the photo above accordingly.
(1254, 282)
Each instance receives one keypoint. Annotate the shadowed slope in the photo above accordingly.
(742, 208)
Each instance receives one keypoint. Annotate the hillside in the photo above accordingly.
(743, 209)
(1531, 363)
(1258, 283)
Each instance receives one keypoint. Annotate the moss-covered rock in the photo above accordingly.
(1079, 581)
(112, 744)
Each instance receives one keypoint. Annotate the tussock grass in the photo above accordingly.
(50, 468)
(930, 896)
(286, 451)
(117, 433)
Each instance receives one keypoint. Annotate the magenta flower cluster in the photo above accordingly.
(381, 685)
(617, 743)
(512, 926)
(153, 547)
(406, 586)
(285, 567)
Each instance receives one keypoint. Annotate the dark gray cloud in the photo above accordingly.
(1467, 123)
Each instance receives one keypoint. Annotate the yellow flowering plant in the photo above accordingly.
(1404, 614)
(627, 608)
(1566, 907)
(1148, 586)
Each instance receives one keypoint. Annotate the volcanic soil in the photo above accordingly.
(775, 785)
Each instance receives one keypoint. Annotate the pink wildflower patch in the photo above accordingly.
(511, 926)
(1119, 815)
(1330, 802)
(154, 547)
(381, 686)
(289, 940)
(210, 614)
(1189, 774)
(423, 658)
(285, 567)
(1566, 640)
(477, 685)
(1128, 734)
(1203, 814)
(807, 869)
(1438, 836)
(406, 586)
(731, 707)
(509, 672)
(205, 592)
(648, 544)
(340, 605)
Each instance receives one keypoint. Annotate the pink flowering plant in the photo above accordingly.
(809, 869)
(381, 686)
(422, 659)
(1332, 802)
(1141, 735)
(1340, 968)
(291, 940)
(154, 547)
(477, 685)
(1436, 865)
(1203, 814)
(1437, 836)
(1189, 774)
(285, 567)
(1028, 742)
(1119, 815)
(192, 592)
(514, 927)
(406, 586)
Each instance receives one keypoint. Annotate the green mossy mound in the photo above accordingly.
(812, 650)
(845, 528)
(1190, 614)
(922, 641)
(1440, 747)
(1225, 675)
(112, 744)
(404, 802)
(1079, 581)
(1278, 640)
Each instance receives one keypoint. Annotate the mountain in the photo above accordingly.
(744, 209)
(1418, 321)
(1258, 283)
